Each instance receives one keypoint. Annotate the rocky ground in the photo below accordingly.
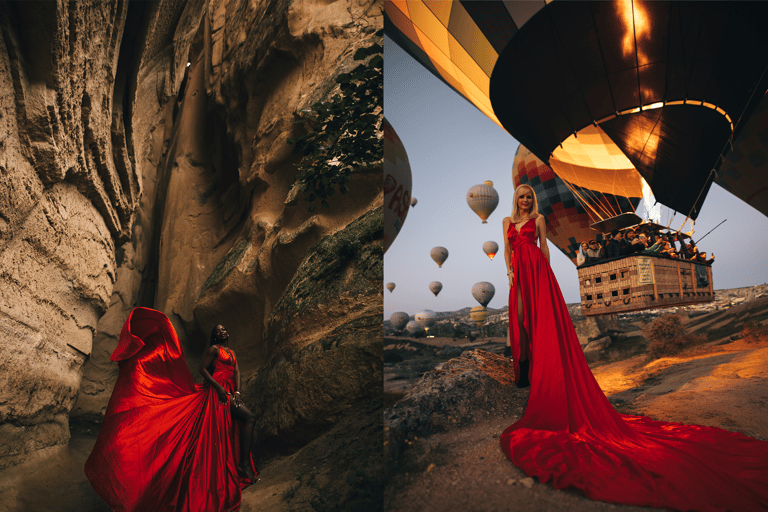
(456, 464)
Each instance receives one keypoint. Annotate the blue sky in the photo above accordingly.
(452, 146)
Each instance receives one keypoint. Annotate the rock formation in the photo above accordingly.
(477, 384)
(145, 162)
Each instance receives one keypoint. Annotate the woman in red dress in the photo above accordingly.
(166, 443)
(572, 435)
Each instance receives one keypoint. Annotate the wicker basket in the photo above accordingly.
(643, 281)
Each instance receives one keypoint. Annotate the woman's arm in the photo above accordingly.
(508, 252)
(541, 225)
(208, 358)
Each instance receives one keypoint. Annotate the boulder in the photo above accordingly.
(316, 375)
(475, 385)
(597, 349)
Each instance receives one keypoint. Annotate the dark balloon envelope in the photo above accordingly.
(667, 84)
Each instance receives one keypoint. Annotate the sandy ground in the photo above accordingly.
(52, 481)
(718, 385)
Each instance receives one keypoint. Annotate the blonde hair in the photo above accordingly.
(515, 217)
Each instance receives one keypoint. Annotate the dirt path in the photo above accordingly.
(717, 385)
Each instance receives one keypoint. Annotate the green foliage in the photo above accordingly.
(346, 130)
(667, 335)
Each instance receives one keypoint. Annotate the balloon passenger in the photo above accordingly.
(571, 434)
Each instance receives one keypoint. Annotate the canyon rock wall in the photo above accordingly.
(67, 192)
(144, 162)
(225, 233)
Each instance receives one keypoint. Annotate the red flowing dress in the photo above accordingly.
(166, 443)
(572, 435)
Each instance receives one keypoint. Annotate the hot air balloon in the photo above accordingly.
(483, 199)
(413, 201)
(490, 248)
(391, 287)
(425, 318)
(413, 327)
(478, 314)
(435, 287)
(398, 320)
(532, 68)
(569, 216)
(397, 184)
(483, 292)
(439, 254)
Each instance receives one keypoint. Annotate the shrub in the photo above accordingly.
(667, 335)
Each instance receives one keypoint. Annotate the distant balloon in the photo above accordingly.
(391, 287)
(397, 184)
(425, 318)
(478, 314)
(413, 201)
(491, 248)
(483, 199)
(483, 292)
(398, 320)
(413, 327)
(435, 287)
(439, 254)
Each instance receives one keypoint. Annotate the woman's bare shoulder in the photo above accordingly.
(505, 221)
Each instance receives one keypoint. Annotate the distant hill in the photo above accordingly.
(723, 299)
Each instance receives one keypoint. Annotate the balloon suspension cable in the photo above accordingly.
(711, 230)
(605, 208)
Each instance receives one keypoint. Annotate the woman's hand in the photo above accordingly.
(511, 277)
(237, 400)
(223, 396)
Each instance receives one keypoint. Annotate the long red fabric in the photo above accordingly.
(570, 433)
(166, 444)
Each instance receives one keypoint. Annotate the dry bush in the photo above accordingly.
(667, 335)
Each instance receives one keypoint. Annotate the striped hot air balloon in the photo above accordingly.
(666, 86)
(478, 314)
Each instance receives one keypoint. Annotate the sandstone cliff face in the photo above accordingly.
(67, 191)
(130, 178)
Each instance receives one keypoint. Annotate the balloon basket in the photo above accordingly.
(638, 282)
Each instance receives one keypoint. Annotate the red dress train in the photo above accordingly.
(572, 435)
(166, 443)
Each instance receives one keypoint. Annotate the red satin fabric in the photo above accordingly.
(572, 435)
(166, 444)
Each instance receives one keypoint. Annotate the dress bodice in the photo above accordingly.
(527, 233)
(226, 357)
